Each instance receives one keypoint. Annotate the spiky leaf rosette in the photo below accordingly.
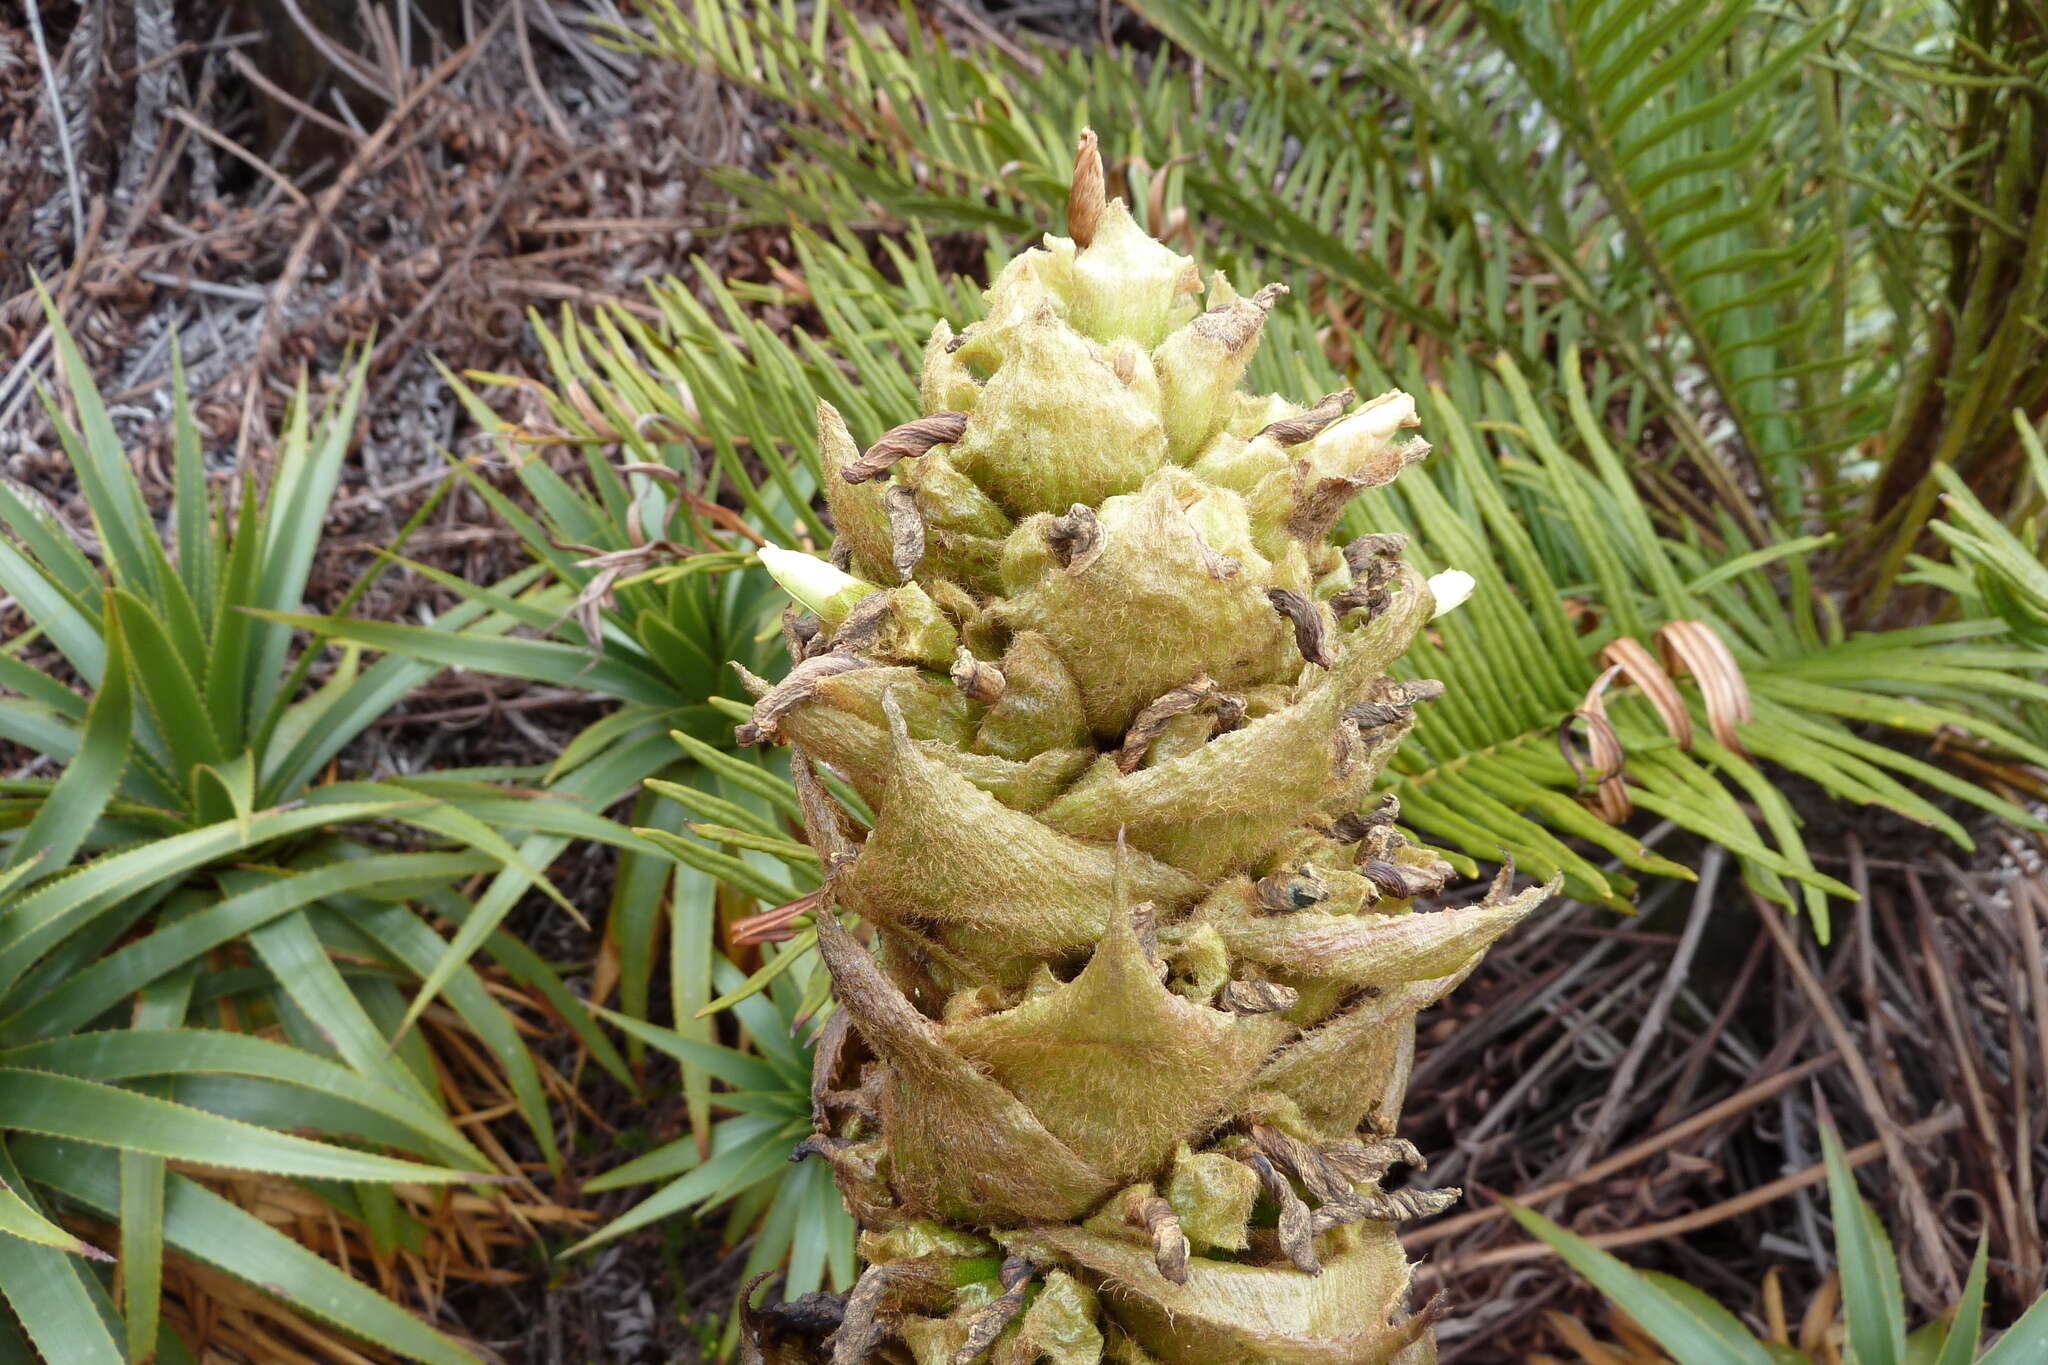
(1116, 1078)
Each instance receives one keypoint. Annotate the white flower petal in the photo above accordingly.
(1449, 588)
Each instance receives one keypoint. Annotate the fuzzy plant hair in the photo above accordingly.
(1125, 1022)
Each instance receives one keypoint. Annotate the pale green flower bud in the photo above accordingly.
(822, 590)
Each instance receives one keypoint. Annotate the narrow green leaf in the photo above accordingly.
(2025, 1342)
(51, 546)
(1730, 569)
(785, 958)
(1959, 1342)
(19, 1218)
(67, 622)
(203, 1225)
(37, 685)
(35, 921)
(293, 952)
(131, 1053)
(92, 775)
(736, 872)
(231, 784)
(736, 1069)
(307, 469)
(723, 1176)
(692, 948)
(142, 1250)
(627, 723)
(1872, 1303)
(406, 937)
(789, 851)
(633, 920)
(669, 1159)
(455, 820)
(740, 772)
(108, 1116)
(47, 1290)
(290, 763)
(231, 659)
(599, 783)
(540, 660)
(1681, 1324)
(82, 997)
(120, 514)
(191, 498)
(703, 803)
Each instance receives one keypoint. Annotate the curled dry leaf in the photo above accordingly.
(1606, 763)
(1634, 664)
(1694, 647)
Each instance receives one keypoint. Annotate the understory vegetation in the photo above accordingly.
(1725, 326)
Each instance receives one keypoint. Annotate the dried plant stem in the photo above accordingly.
(1602, 1126)
(60, 125)
(1933, 1126)
(323, 208)
(1928, 1239)
(1739, 1103)
(2028, 904)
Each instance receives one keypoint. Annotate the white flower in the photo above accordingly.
(815, 584)
(1375, 423)
(1449, 588)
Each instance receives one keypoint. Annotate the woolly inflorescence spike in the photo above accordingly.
(1126, 1023)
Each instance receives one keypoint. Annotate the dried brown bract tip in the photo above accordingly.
(906, 442)
(1284, 892)
(1311, 625)
(1365, 597)
(1372, 715)
(1352, 827)
(1360, 553)
(1364, 1163)
(906, 531)
(978, 681)
(1297, 1224)
(1149, 723)
(1694, 647)
(1085, 199)
(1076, 538)
(792, 692)
(774, 926)
(1259, 997)
(1292, 431)
(1169, 1242)
(1403, 882)
(988, 1323)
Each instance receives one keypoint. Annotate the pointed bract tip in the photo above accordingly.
(1085, 198)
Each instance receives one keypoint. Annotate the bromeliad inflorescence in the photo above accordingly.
(1117, 1075)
